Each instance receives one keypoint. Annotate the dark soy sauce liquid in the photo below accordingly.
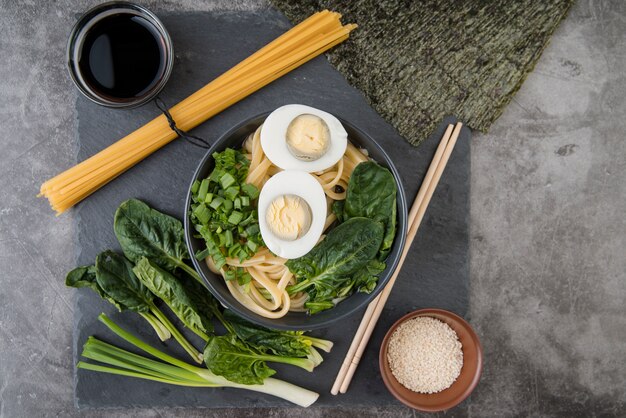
(123, 57)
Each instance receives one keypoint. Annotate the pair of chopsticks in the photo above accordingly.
(372, 314)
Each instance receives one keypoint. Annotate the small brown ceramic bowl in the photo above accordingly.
(463, 385)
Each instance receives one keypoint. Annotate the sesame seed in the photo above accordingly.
(425, 355)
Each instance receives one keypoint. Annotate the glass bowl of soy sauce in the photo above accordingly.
(120, 55)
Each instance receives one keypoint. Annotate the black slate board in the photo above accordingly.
(434, 275)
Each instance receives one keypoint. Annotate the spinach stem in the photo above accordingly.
(200, 334)
(158, 327)
(190, 271)
(320, 343)
(315, 356)
(195, 354)
(299, 287)
(218, 314)
(304, 363)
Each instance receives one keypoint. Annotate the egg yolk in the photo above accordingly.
(288, 217)
(308, 137)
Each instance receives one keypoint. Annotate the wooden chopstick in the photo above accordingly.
(372, 314)
(372, 306)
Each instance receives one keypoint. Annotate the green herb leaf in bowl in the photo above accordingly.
(372, 194)
(326, 269)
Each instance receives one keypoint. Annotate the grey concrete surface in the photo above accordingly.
(548, 247)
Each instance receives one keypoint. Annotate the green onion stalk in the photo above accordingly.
(173, 371)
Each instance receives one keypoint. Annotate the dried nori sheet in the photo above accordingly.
(418, 61)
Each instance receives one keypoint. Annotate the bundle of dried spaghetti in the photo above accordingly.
(305, 41)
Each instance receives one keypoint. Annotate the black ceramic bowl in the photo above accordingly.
(295, 320)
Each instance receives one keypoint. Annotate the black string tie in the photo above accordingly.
(192, 139)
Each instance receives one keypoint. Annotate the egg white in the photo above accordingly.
(274, 139)
(309, 189)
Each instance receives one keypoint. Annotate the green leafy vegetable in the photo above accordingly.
(372, 194)
(365, 279)
(282, 343)
(228, 356)
(85, 276)
(115, 275)
(206, 305)
(337, 209)
(325, 270)
(279, 342)
(173, 371)
(168, 288)
(145, 232)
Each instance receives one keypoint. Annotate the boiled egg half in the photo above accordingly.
(292, 213)
(299, 137)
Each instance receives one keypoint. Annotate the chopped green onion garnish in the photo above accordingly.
(231, 193)
(201, 255)
(201, 212)
(219, 260)
(195, 186)
(244, 278)
(235, 217)
(234, 250)
(223, 213)
(215, 175)
(228, 235)
(227, 180)
(243, 254)
(252, 230)
(202, 191)
(217, 202)
(252, 245)
(250, 190)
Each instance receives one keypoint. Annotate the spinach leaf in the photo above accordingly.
(282, 343)
(372, 194)
(329, 265)
(85, 276)
(167, 287)
(337, 209)
(145, 232)
(114, 275)
(206, 305)
(228, 357)
(365, 279)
